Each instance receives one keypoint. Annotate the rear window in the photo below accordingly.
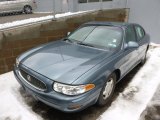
(140, 32)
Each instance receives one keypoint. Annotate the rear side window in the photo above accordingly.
(140, 32)
(130, 34)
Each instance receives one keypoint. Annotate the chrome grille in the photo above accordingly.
(33, 81)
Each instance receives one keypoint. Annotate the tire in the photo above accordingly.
(27, 9)
(106, 94)
(20, 12)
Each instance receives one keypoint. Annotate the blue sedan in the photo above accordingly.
(82, 69)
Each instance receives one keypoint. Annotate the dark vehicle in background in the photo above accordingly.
(83, 68)
(13, 6)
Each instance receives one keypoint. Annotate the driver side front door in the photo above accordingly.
(130, 58)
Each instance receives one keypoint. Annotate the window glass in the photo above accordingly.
(86, 1)
(140, 32)
(130, 34)
(93, 0)
(82, 1)
(81, 33)
(106, 0)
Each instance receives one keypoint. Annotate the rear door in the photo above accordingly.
(141, 38)
(14, 5)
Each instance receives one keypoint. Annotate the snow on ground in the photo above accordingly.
(34, 20)
(133, 100)
(12, 105)
(154, 45)
(152, 111)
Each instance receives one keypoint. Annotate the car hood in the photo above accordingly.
(63, 62)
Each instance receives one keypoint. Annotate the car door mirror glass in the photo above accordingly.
(132, 44)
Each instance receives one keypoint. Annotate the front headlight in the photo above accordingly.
(72, 90)
(17, 62)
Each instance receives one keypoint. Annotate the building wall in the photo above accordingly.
(44, 6)
(51, 5)
(147, 14)
(74, 6)
(102, 5)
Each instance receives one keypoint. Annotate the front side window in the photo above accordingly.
(140, 32)
(99, 36)
(130, 34)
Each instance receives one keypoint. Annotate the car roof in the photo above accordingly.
(103, 23)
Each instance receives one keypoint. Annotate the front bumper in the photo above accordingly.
(56, 100)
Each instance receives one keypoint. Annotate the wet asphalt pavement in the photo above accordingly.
(91, 113)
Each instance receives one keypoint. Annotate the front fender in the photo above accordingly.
(99, 73)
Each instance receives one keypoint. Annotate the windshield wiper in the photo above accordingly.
(66, 39)
(75, 41)
(80, 43)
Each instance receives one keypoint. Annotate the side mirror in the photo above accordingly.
(68, 33)
(132, 44)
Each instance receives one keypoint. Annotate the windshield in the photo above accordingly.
(98, 36)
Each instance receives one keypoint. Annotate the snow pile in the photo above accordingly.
(34, 20)
(133, 100)
(154, 45)
(12, 105)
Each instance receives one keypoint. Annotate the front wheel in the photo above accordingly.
(107, 90)
(27, 9)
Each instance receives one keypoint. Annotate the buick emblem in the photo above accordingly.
(29, 78)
